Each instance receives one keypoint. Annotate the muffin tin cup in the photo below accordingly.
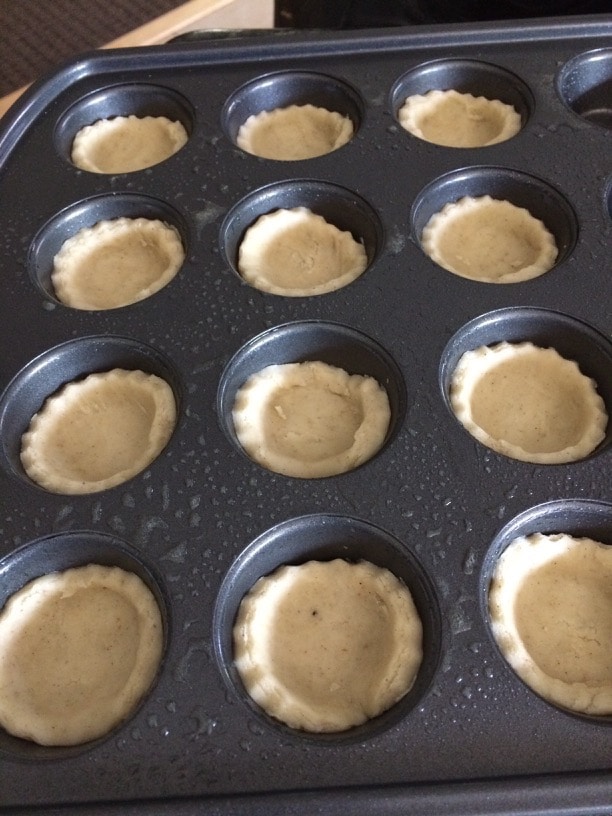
(56, 553)
(324, 538)
(571, 338)
(83, 214)
(579, 518)
(330, 343)
(284, 88)
(71, 361)
(467, 77)
(538, 197)
(340, 207)
(125, 99)
(584, 84)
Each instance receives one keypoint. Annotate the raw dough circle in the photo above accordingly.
(454, 119)
(296, 253)
(124, 144)
(550, 603)
(78, 651)
(310, 420)
(116, 263)
(528, 403)
(325, 646)
(295, 132)
(98, 432)
(489, 240)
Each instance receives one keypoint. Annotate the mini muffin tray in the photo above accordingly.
(203, 522)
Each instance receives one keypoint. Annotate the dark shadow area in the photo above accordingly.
(364, 13)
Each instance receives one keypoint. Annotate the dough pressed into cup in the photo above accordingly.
(295, 132)
(78, 651)
(125, 144)
(454, 119)
(489, 240)
(528, 403)
(325, 646)
(311, 419)
(297, 253)
(116, 263)
(550, 604)
(98, 432)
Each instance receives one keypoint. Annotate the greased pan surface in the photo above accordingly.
(203, 522)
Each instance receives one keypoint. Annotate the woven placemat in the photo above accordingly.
(37, 35)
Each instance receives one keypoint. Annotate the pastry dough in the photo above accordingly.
(528, 403)
(550, 603)
(454, 119)
(295, 132)
(116, 263)
(98, 432)
(489, 240)
(124, 144)
(310, 419)
(325, 646)
(78, 651)
(297, 253)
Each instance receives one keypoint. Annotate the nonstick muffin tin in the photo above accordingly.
(203, 522)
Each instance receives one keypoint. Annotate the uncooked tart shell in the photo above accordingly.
(297, 253)
(78, 651)
(311, 419)
(489, 240)
(116, 263)
(125, 144)
(325, 646)
(97, 433)
(527, 402)
(550, 603)
(295, 132)
(454, 119)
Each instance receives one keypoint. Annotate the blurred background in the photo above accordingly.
(37, 35)
(365, 13)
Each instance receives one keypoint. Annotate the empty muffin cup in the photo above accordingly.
(310, 399)
(301, 553)
(585, 85)
(546, 597)
(88, 415)
(92, 670)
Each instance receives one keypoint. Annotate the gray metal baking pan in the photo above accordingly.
(203, 521)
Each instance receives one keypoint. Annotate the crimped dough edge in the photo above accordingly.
(416, 106)
(453, 212)
(89, 137)
(322, 131)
